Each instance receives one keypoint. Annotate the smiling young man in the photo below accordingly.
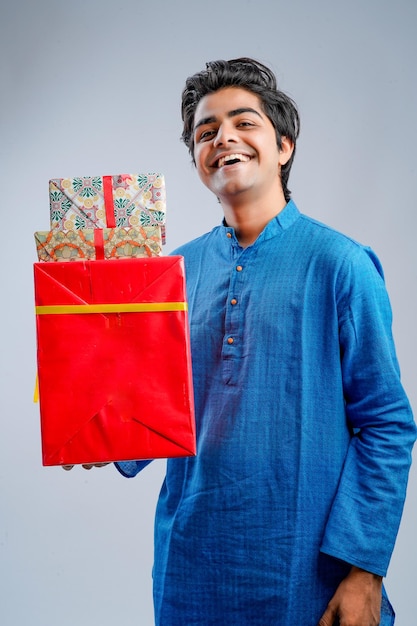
(289, 512)
(238, 159)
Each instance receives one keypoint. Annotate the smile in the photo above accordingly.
(230, 159)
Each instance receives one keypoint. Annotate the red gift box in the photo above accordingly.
(114, 362)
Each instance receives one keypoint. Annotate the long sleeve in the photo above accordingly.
(366, 512)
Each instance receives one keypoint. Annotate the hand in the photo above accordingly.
(86, 466)
(357, 601)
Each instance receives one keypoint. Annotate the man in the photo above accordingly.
(289, 512)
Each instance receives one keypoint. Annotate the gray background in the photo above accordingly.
(92, 87)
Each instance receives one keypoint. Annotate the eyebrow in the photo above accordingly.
(233, 113)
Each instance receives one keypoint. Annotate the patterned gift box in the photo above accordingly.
(123, 200)
(97, 244)
(114, 360)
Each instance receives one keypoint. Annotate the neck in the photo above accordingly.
(249, 219)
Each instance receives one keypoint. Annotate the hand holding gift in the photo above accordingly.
(114, 360)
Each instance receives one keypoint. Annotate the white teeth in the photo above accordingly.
(232, 157)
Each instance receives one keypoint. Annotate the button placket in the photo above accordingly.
(232, 346)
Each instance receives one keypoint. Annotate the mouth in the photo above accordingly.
(231, 159)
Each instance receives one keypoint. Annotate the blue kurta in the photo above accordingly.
(304, 430)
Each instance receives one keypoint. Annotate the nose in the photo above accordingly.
(225, 134)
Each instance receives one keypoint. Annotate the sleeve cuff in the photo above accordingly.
(129, 469)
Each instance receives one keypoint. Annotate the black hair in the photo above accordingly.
(255, 77)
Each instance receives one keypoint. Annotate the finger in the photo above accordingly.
(86, 466)
(328, 618)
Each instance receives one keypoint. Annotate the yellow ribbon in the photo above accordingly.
(129, 307)
(36, 390)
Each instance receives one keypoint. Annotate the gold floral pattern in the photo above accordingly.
(79, 244)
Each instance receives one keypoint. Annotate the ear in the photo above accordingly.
(287, 148)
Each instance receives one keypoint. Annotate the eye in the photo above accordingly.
(245, 123)
(207, 134)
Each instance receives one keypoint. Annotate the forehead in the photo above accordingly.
(221, 102)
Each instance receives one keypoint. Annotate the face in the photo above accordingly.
(235, 146)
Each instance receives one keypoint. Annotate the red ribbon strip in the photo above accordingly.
(99, 243)
(108, 201)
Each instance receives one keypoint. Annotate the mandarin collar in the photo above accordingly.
(279, 223)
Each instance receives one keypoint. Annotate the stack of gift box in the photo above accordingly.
(113, 349)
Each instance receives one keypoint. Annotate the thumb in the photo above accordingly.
(328, 618)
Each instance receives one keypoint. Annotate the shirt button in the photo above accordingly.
(239, 268)
(233, 301)
(229, 235)
(230, 340)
